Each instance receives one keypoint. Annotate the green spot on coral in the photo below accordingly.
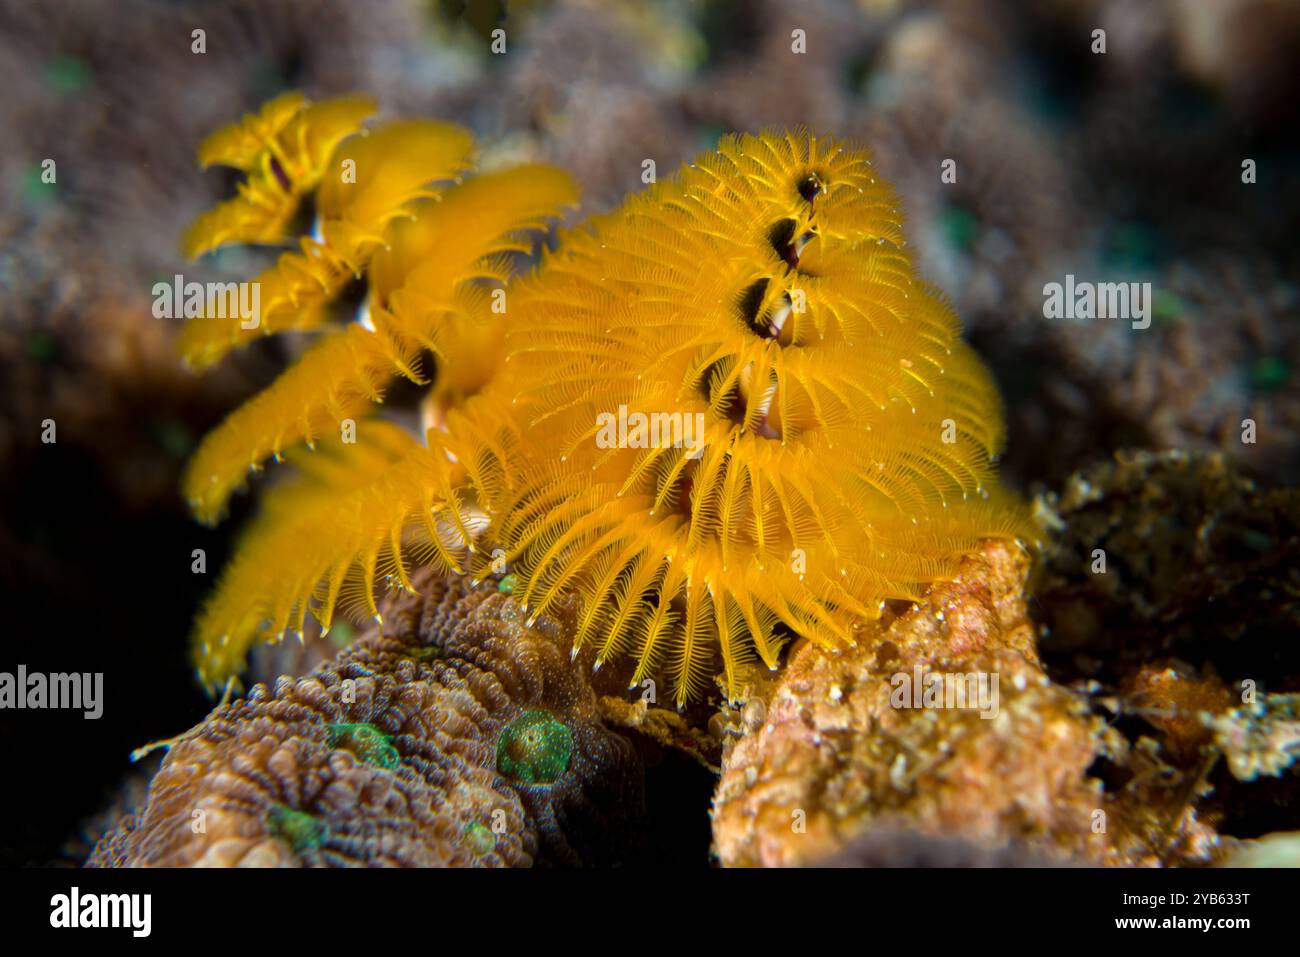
(534, 749)
(34, 188)
(1131, 246)
(298, 829)
(708, 135)
(268, 79)
(1269, 373)
(367, 742)
(479, 838)
(427, 654)
(68, 74)
(1168, 308)
(959, 226)
(507, 585)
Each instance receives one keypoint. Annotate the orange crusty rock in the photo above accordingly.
(459, 737)
(834, 758)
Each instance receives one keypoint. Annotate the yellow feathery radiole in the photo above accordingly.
(375, 179)
(357, 516)
(428, 286)
(240, 145)
(337, 379)
(461, 242)
(283, 150)
(314, 530)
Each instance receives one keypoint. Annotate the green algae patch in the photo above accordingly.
(367, 742)
(479, 838)
(298, 829)
(535, 748)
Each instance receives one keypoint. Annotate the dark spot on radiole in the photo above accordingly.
(810, 187)
(781, 236)
(751, 300)
(281, 176)
(770, 323)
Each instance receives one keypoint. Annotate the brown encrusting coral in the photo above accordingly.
(458, 737)
(840, 755)
(835, 756)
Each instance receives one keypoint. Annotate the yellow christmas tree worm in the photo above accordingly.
(376, 179)
(386, 186)
(357, 515)
(767, 424)
(723, 415)
(335, 380)
(373, 501)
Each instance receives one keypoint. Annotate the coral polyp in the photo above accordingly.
(535, 748)
(367, 742)
(300, 830)
(726, 414)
